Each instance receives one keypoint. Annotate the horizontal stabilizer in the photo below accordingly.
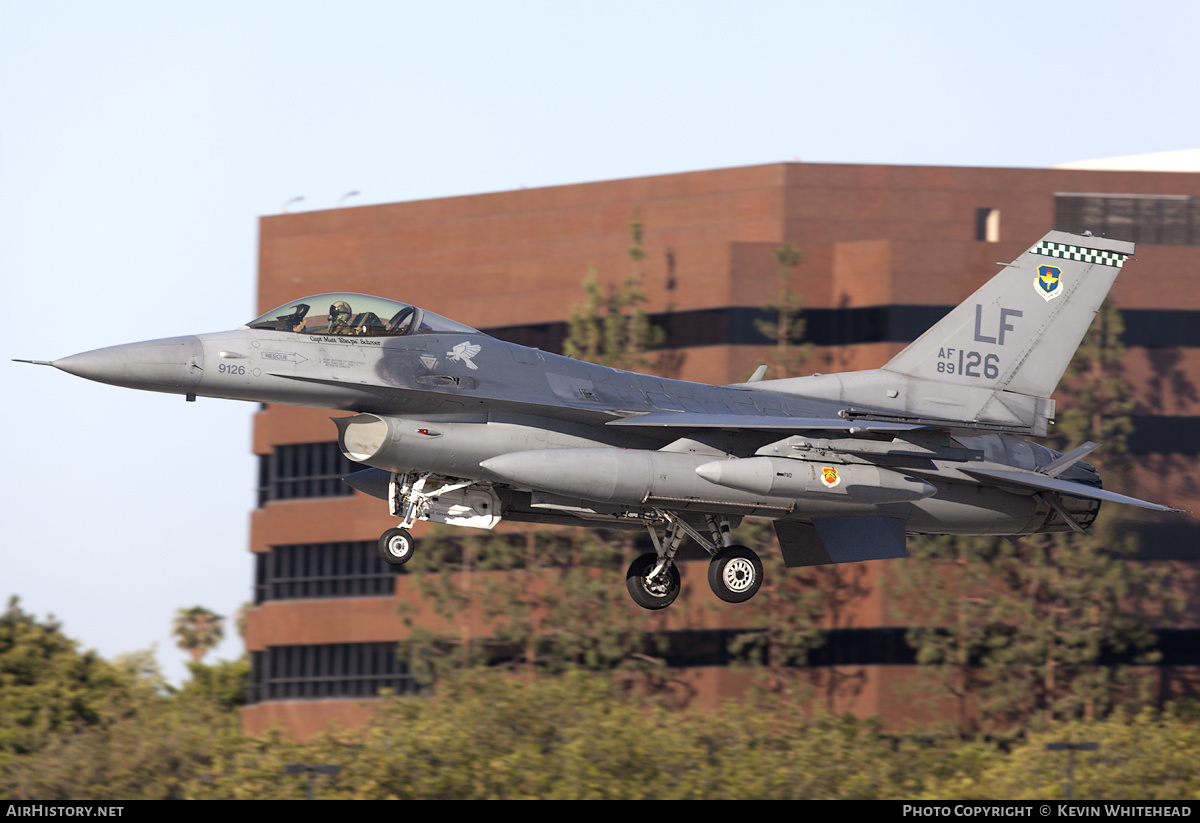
(840, 540)
(1041, 482)
(694, 420)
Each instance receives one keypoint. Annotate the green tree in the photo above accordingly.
(48, 686)
(783, 621)
(563, 606)
(221, 685)
(1097, 399)
(577, 735)
(542, 601)
(611, 327)
(1148, 755)
(151, 750)
(950, 598)
(1016, 630)
(787, 327)
(77, 727)
(581, 735)
(1086, 594)
(142, 668)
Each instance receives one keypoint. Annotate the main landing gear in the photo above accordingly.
(735, 573)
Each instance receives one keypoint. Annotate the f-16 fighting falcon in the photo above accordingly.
(462, 428)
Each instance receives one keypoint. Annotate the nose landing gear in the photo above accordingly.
(396, 547)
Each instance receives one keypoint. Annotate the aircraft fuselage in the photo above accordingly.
(430, 410)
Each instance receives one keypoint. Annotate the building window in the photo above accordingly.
(987, 225)
(1162, 434)
(348, 569)
(304, 470)
(1165, 220)
(328, 670)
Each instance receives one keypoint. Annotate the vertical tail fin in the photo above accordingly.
(993, 361)
(1019, 331)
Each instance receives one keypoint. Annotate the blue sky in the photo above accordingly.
(141, 141)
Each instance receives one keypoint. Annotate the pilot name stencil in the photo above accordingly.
(343, 341)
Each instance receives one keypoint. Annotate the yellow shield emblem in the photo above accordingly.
(829, 476)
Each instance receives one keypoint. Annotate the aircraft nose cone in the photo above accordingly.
(170, 365)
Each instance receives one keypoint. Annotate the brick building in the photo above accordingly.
(886, 250)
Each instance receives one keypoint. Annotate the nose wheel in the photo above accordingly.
(396, 547)
(735, 574)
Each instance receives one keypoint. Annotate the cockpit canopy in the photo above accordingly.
(345, 314)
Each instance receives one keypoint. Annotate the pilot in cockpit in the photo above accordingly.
(339, 318)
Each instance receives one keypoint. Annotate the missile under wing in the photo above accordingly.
(454, 426)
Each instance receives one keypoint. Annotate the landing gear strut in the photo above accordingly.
(450, 502)
(408, 500)
(653, 579)
(735, 573)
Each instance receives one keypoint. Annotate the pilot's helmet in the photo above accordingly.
(339, 311)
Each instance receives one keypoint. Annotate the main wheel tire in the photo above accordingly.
(396, 546)
(652, 594)
(735, 574)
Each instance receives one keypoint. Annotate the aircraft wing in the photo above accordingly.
(1040, 482)
(750, 422)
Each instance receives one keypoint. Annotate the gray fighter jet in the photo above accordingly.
(461, 428)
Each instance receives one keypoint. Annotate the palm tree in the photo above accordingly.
(198, 630)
